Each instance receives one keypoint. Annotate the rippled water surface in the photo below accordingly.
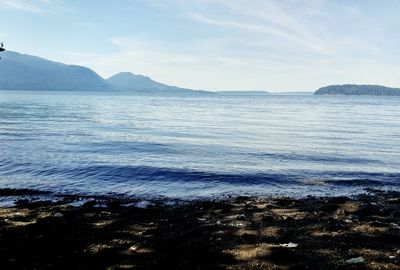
(198, 145)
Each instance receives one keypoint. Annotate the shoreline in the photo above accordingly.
(32, 194)
(106, 232)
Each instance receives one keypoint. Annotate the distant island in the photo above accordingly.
(358, 90)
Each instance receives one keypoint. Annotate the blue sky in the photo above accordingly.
(275, 45)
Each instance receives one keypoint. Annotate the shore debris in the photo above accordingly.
(356, 260)
(289, 245)
(395, 226)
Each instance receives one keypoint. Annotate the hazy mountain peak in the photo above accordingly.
(128, 81)
(128, 74)
(128, 77)
(27, 72)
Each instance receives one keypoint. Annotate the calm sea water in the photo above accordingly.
(198, 146)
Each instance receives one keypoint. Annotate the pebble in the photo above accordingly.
(133, 248)
(124, 266)
(17, 214)
(237, 224)
(357, 260)
(58, 215)
(241, 217)
(143, 204)
(289, 245)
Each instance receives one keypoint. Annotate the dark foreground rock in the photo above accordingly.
(242, 233)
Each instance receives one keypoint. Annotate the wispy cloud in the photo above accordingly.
(266, 29)
(32, 6)
(241, 44)
(294, 22)
(208, 64)
(308, 26)
(80, 54)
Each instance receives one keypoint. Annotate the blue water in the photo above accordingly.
(198, 146)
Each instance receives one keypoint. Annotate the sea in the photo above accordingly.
(193, 146)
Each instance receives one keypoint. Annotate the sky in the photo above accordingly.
(272, 45)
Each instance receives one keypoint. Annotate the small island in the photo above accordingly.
(358, 90)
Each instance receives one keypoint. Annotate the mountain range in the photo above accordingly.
(27, 72)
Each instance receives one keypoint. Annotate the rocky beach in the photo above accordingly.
(75, 232)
